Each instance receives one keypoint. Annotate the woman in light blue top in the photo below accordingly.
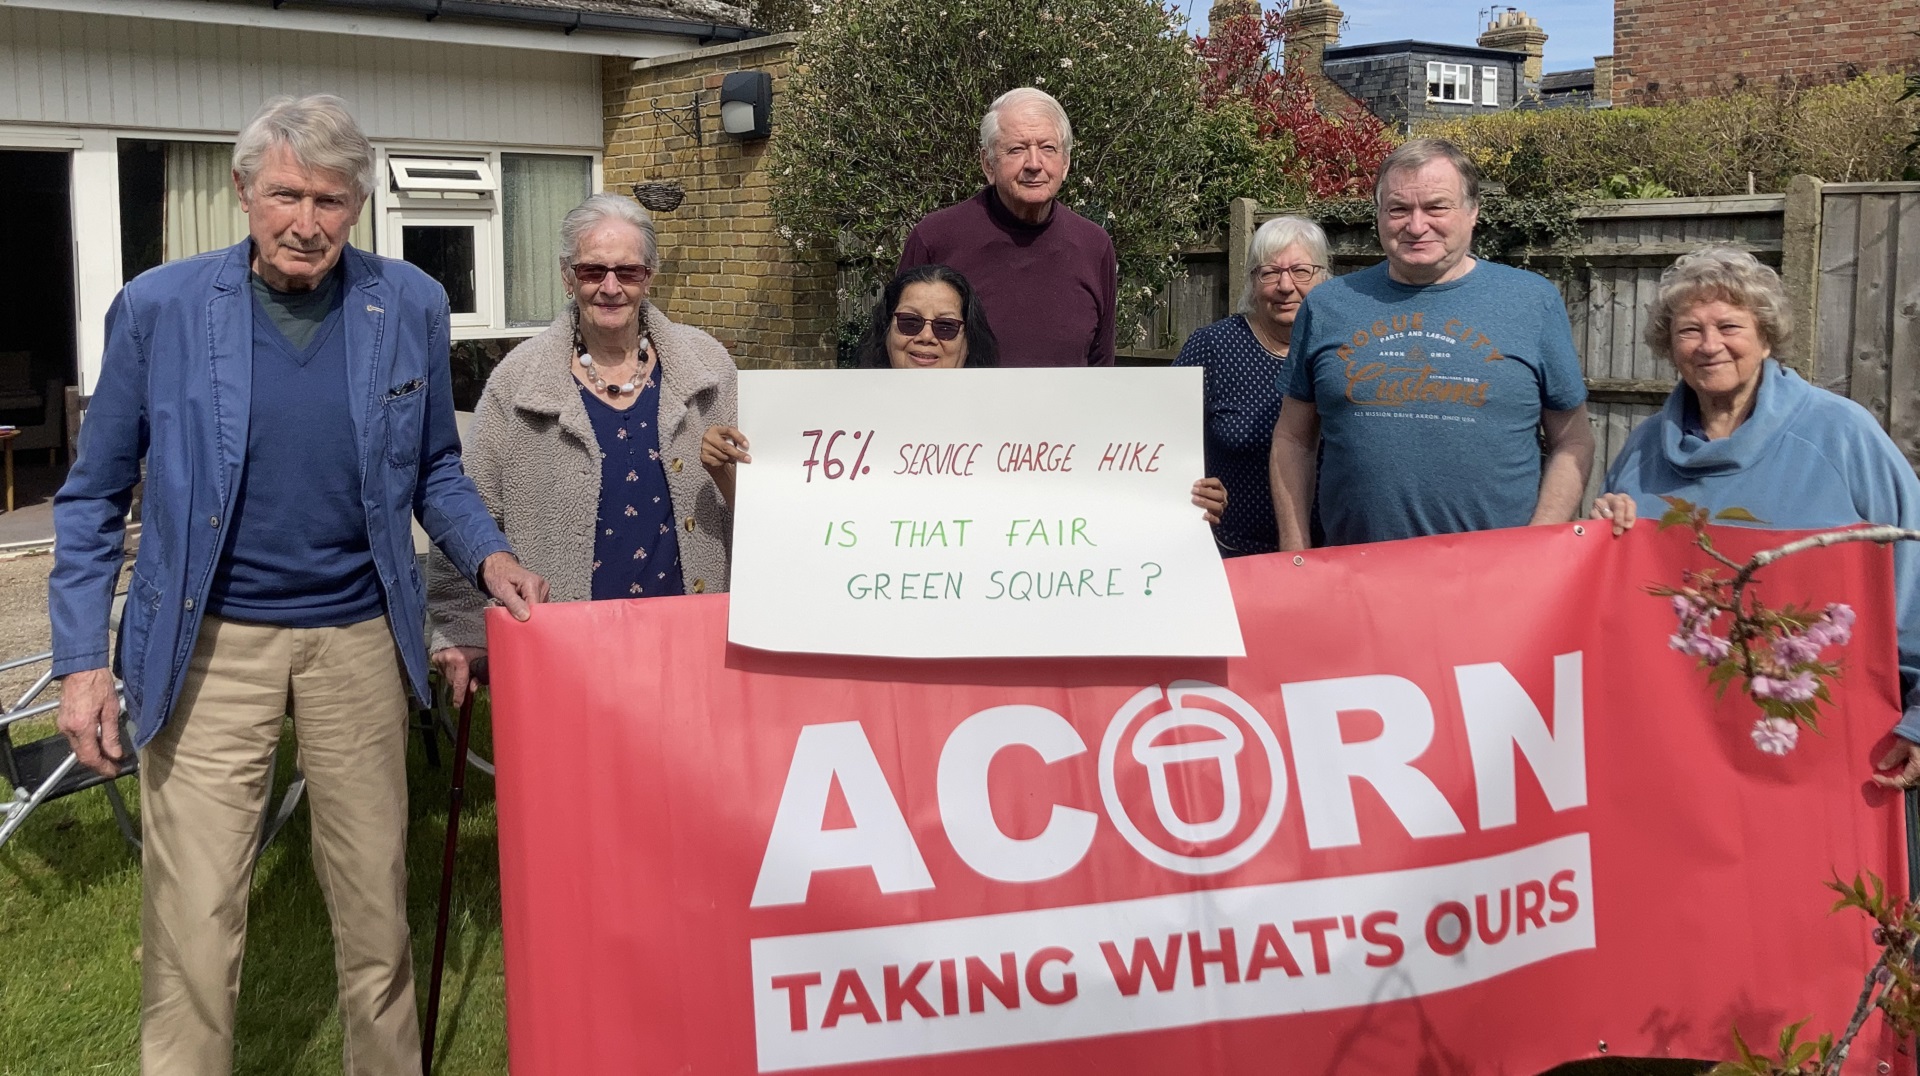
(1741, 430)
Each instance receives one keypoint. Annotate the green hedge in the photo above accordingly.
(1855, 131)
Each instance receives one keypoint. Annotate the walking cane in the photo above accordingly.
(477, 677)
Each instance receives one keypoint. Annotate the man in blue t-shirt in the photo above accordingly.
(1431, 378)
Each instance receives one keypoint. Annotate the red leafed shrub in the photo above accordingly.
(1327, 156)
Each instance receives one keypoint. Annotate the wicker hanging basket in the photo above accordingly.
(659, 197)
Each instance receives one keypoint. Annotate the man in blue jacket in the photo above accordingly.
(290, 397)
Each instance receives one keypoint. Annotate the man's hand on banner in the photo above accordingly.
(1903, 757)
(512, 585)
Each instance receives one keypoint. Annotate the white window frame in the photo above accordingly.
(412, 176)
(1490, 87)
(488, 294)
(396, 210)
(1442, 75)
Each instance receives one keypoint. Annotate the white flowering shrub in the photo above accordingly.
(880, 123)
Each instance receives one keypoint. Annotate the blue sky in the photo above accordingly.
(1577, 30)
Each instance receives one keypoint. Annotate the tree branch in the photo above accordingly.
(1838, 1058)
(1881, 534)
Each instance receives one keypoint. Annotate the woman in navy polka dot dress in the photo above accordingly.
(1245, 357)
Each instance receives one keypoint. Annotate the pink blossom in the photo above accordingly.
(1793, 650)
(1697, 642)
(1692, 609)
(1798, 689)
(1839, 624)
(1775, 735)
(1791, 689)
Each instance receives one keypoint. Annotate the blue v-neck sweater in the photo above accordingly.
(1805, 459)
(297, 552)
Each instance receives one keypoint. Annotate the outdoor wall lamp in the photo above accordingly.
(746, 104)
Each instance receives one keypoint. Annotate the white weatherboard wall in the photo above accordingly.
(81, 81)
(100, 70)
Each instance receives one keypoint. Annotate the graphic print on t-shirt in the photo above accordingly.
(1430, 397)
(1391, 372)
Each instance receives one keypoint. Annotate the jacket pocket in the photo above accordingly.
(406, 407)
(136, 629)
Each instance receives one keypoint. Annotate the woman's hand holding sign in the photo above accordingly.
(1210, 495)
(720, 448)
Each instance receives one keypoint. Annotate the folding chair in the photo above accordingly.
(47, 769)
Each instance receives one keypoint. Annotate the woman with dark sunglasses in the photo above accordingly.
(928, 318)
(586, 442)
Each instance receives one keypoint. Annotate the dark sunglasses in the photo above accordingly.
(590, 273)
(910, 325)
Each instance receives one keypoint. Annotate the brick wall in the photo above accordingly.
(1668, 49)
(723, 268)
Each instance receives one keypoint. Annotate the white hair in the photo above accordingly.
(598, 210)
(1026, 97)
(317, 130)
(1272, 238)
(1723, 274)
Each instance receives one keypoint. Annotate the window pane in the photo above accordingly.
(203, 211)
(535, 192)
(177, 200)
(143, 194)
(445, 253)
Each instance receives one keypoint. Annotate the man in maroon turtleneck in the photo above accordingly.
(1045, 274)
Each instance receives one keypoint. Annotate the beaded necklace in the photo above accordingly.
(642, 360)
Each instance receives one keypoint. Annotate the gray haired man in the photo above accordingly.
(290, 397)
(1046, 276)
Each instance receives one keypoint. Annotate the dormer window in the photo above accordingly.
(1450, 82)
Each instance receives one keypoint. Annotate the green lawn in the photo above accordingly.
(70, 939)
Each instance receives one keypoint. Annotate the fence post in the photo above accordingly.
(1239, 234)
(1800, 270)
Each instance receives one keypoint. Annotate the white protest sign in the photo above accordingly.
(976, 513)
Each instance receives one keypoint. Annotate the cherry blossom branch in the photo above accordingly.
(1841, 1046)
(1881, 534)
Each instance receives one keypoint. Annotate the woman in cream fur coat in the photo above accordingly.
(586, 443)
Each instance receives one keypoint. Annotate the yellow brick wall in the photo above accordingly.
(723, 268)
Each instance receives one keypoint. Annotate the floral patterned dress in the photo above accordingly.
(635, 551)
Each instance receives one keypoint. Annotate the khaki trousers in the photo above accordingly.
(203, 784)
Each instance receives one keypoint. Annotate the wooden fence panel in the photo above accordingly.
(1868, 331)
(1839, 266)
(1872, 304)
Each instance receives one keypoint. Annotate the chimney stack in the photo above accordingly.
(1225, 11)
(1603, 78)
(1515, 31)
(1313, 26)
